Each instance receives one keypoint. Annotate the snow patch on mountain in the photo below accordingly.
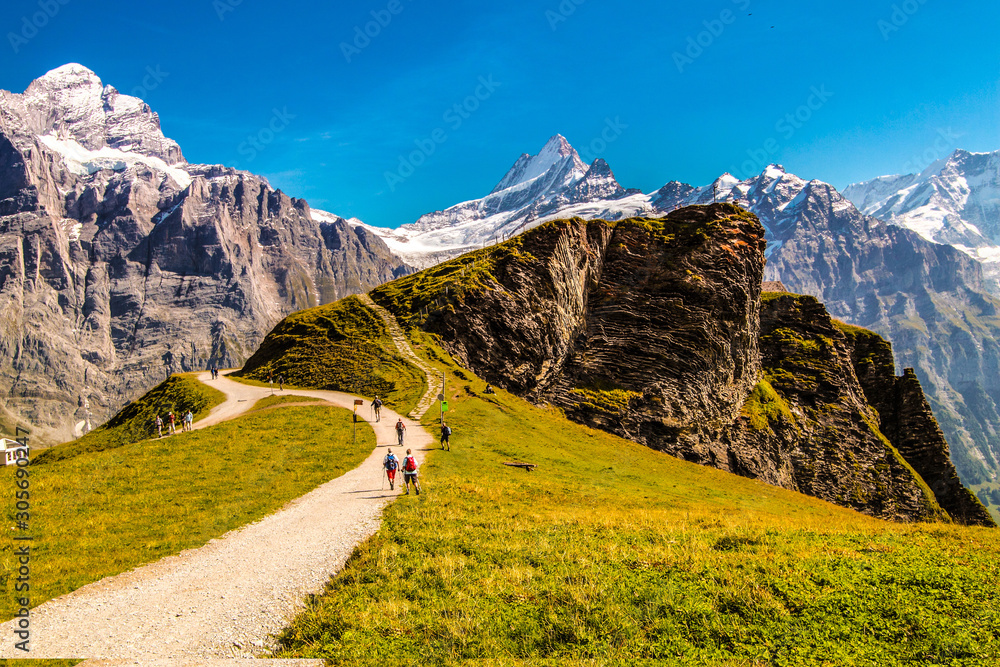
(552, 184)
(955, 201)
(84, 162)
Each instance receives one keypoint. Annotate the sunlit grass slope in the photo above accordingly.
(343, 346)
(614, 553)
(136, 421)
(102, 513)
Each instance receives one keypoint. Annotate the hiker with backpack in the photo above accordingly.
(391, 465)
(445, 436)
(170, 420)
(159, 426)
(377, 407)
(410, 472)
(400, 429)
(189, 421)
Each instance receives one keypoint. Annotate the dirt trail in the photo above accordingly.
(218, 604)
(403, 345)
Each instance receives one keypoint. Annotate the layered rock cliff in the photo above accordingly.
(121, 263)
(654, 329)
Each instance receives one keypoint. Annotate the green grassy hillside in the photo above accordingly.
(613, 553)
(136, 421)
(342, 346)
(101, 513)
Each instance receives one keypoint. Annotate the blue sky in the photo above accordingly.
(839, 91)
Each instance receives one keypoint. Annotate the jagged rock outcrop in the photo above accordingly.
(120, 263)
(654, 329)
(906, 420)
(808, 425)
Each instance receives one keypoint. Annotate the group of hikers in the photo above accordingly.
(410, 469)
(187, 423)
(214, 370)
(391, 464)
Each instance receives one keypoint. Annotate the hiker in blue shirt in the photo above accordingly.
(391, 465)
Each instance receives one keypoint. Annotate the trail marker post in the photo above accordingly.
(357, 402)
(441, 398)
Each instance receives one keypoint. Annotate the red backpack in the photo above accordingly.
(409, 464)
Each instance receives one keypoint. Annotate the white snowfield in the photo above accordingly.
(84, 162)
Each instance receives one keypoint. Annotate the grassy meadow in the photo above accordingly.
(136, 421)
(611, 553)
(106, 512)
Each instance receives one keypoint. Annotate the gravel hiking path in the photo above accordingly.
(220, 603)
(403, 345)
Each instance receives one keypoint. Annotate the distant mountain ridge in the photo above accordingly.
(120, 262)
(535, 189)
(955, 201)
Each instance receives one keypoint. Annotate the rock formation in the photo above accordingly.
(654, 330)
(906, 420)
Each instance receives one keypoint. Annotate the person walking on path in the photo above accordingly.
(281, 383)
(377, 407)
(445, 435)
(170, 421)
(189, 421)
(410, 469)
(159, 426)
(400, 430)
(391, 465)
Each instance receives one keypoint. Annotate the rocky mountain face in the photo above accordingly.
(928, 299)
(121, 263)
(955, 201)
(654, 329)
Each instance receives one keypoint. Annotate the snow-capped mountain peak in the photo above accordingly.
(72, 103)
(552, 183)
(954, 201)
(556, 157)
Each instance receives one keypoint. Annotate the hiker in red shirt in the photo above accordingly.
(410, 473)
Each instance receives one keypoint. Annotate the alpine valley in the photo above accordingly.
(121, 263)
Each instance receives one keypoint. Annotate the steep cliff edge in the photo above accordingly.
(654, 330)
(808, 425)
(907, 421)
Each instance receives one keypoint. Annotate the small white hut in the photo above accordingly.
(12, 450)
